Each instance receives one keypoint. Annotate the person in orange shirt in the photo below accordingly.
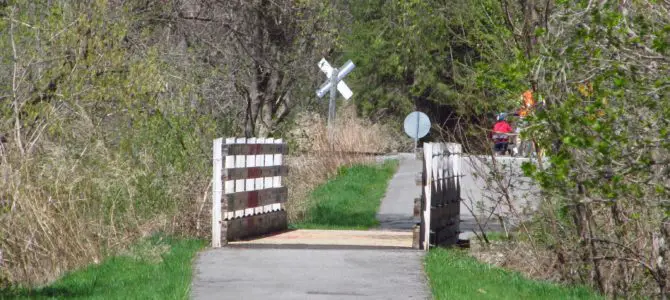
(528, 103)
(527, 106)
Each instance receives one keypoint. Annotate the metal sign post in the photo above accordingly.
(334, 84)
(333, 97)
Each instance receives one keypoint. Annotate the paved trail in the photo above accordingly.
(325, 264)
(397, 208)
(379, 264)
(309, 274)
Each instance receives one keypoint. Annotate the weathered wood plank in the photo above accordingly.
(416, 236)
(446, 237)
(250, 226)
(417, 207)
(257, 149)
(249, 187)
(256, 172)
(257, 198)
(444, 216)
(440, 202)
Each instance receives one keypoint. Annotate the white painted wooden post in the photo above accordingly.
(249, 184)
(229, 185)
(217, 191)
(276, 180)
(455, 158)
(258, 182)
(428, 157)
(268, 182)
(438, 163)
(240, 162)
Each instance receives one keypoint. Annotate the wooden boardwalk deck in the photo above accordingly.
(359, 238)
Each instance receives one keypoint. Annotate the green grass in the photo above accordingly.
(351, 199)
(156, 268)
(455, 275)
(498, 236)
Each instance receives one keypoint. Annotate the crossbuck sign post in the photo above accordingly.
(334, 84)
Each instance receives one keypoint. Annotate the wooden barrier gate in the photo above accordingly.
(441, 195)
(247, 191)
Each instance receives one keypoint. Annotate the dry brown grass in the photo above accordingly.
(61, 208)
(45, 225)
(518, 256)
(316, 159)
(59, 212)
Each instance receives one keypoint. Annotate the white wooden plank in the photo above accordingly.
(250, 184)
(240, 159)
(250, 161)
(277, 161)
(276, 180)
(229, 185)
(445, 174)
(268, 160)
(217, 191)
(457, 149)
(438, 163)
(258, 182)
(260, 162)
(278, 157)
(428, 157)
(240, 162)
(251, 158)
(230, 159)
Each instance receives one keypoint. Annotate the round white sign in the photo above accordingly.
(417, 125)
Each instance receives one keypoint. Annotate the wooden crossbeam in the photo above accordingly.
(447, 215)
(256, 172)
(250, 226)
(446, 236)
(257, 149)
(257, 198)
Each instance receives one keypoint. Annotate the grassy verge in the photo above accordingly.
(351, 199)
(455, 275)
(157, 268)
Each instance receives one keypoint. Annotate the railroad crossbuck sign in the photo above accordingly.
(335, 77)
(341, 86)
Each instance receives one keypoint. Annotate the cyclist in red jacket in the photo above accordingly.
(500, 136)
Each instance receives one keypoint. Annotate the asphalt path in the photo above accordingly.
(396, 211)
(304, 265)
(352, 270)
(232, 273)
